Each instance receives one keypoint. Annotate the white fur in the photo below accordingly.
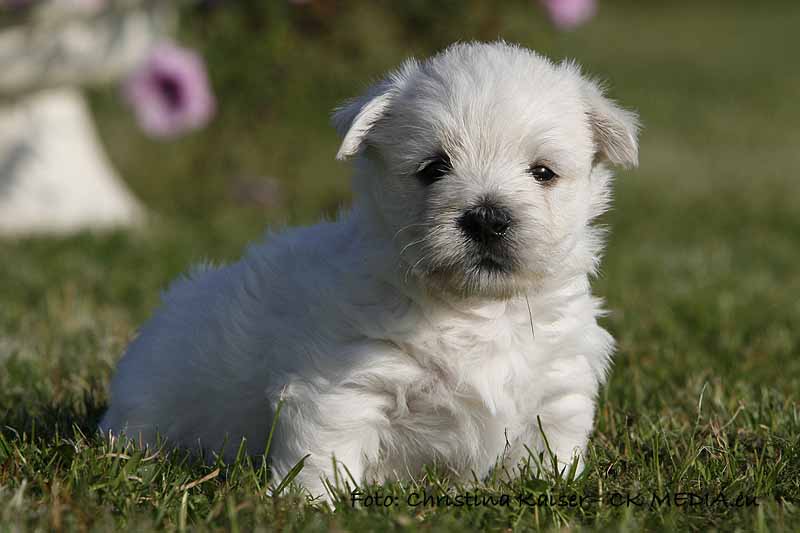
(390, 348)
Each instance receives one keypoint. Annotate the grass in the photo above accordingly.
(700, 274)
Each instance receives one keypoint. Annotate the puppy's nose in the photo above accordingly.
(485, 223)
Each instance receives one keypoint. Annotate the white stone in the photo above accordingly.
(54, 175)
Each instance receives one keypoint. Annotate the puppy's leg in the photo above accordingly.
(341, 428)
(565, 416)
(562, 426)
(566, 422)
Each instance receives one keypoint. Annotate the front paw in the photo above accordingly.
(569, 463)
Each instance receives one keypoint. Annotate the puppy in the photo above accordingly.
(445, 319)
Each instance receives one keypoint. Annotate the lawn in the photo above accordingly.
(698, 427)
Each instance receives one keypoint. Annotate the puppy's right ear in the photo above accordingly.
(355, 118)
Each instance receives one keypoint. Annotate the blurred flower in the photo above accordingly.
(170, 93)
(568, 14)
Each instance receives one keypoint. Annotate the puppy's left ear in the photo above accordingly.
(355, 118)
(615, 130)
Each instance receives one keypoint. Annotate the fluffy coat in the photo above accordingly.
(389, 340)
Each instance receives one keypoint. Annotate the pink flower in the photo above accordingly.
(568, 14)
(170, 93)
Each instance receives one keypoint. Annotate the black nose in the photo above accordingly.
(485, 223)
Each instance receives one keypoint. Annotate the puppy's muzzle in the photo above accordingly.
(485, 224)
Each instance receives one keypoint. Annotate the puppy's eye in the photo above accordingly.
(434, 169)
(541, 173)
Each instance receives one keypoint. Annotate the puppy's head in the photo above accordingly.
(485, 165)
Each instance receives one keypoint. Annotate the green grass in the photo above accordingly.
(701, 272)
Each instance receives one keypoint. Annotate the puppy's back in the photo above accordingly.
(209, 365)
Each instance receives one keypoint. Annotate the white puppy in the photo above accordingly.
(439, 319)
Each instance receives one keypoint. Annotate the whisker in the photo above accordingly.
(409, 226)
(411, 244)
(530, 315)
(411, 268)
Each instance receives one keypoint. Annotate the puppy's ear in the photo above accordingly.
(615, 130)
(354, 119)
